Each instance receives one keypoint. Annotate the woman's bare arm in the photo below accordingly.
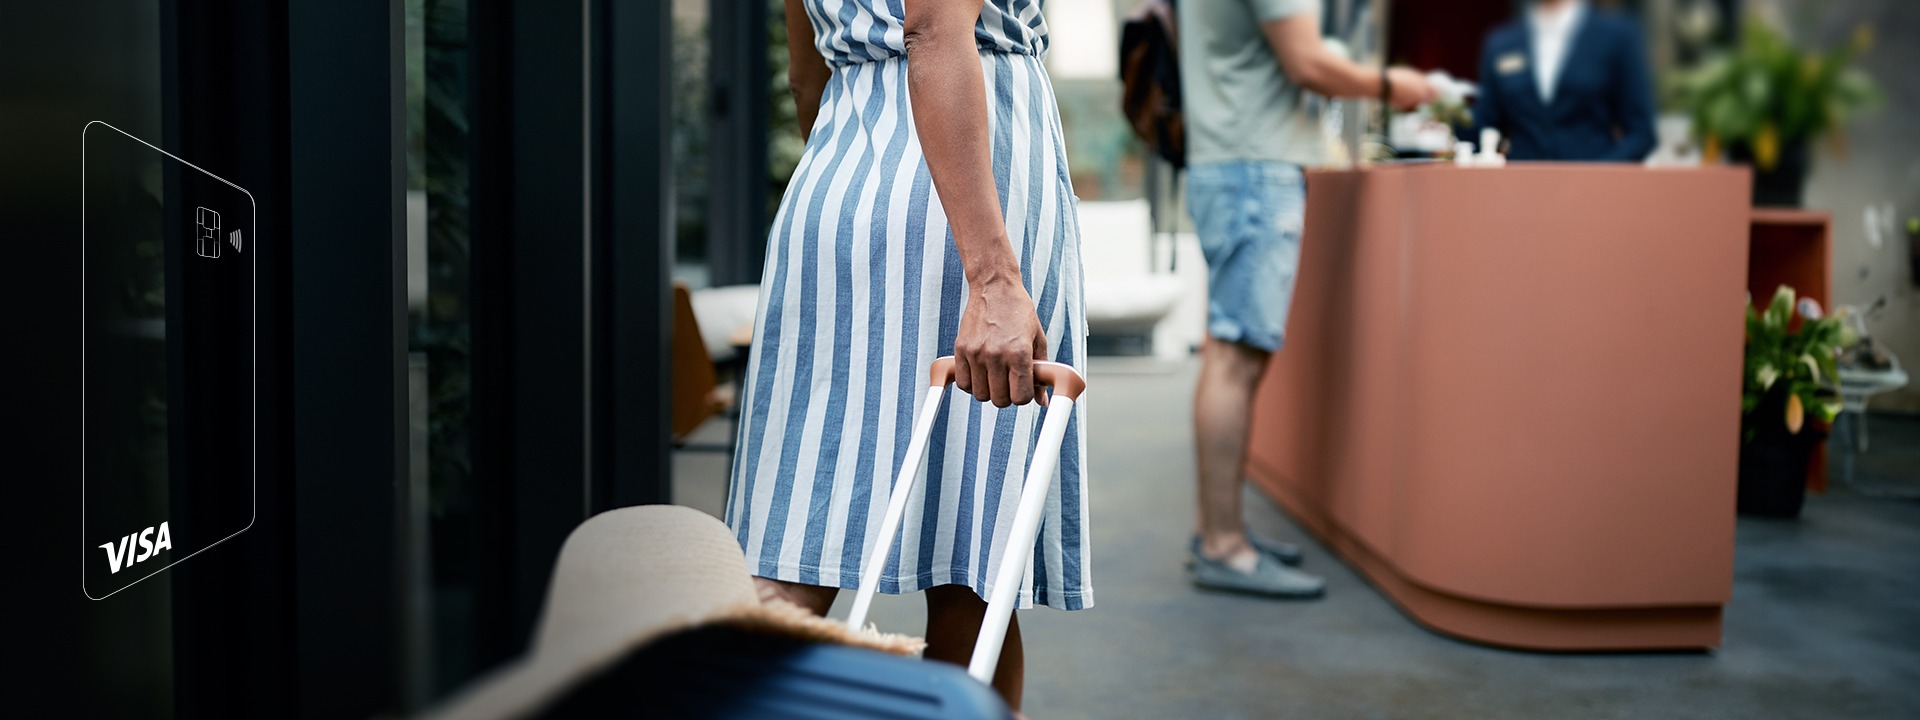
(807, 72)
(1000, 335)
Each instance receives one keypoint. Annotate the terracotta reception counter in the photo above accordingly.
(1510, 396)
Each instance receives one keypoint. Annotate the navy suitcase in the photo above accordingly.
(723, 673)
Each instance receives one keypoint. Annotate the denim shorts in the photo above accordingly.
(1248, 214)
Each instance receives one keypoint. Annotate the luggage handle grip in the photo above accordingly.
(1065, 381)
(1067, 384)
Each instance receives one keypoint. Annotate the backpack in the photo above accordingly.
(1150, 76)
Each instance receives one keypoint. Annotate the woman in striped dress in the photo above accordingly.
(930, 214)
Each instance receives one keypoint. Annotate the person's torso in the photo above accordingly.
(1237, 100)
(856, 31)
(1579, 121)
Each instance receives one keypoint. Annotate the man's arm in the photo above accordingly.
(807, 72)
(1633, 101)
(1295, 40)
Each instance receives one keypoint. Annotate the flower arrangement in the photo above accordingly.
(1789, 371)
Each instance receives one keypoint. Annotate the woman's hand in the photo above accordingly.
(1000, 337)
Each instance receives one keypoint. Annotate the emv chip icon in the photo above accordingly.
(207, 233)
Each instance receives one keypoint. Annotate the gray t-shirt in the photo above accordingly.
(1238, 102)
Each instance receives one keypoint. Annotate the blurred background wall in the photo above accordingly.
(1879, 168)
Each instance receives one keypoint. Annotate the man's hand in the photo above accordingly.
(1000, 337)
(1410, 88)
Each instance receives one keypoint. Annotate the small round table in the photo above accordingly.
(1855, 387)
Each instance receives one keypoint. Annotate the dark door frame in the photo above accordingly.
(633, 90)
(737, 160)
(572, 254)
(302, 104)
(225, 105)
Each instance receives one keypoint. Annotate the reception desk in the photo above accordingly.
(1510, 396)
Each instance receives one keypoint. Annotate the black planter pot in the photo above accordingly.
(1913, 255)
(1773, 464)
(1773, 477)
(1784, 185)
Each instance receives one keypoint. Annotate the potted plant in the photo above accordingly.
(1763, 102)
(1789, 396)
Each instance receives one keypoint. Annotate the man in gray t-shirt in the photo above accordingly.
(1245, 66)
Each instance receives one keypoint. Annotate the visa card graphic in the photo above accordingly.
(168, 360)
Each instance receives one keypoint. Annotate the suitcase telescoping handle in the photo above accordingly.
(1067, 384)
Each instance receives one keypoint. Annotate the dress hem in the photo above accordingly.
(1069, 600)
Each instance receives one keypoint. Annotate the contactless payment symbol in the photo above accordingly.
(167, 360)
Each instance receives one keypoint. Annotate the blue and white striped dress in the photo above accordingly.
(863, 289)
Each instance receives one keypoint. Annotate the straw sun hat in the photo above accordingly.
(625, 578)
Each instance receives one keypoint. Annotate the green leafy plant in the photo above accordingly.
(1799, 364)
(1766, 93)
(1455, 113)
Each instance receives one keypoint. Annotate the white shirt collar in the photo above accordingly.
(1560, 23)
(1551, 37)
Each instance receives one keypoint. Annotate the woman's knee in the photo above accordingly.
(815, 599)
(956, 595)
(951, 603)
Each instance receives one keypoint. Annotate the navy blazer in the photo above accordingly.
(1602, 105)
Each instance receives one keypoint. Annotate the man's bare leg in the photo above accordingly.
(1222, 407)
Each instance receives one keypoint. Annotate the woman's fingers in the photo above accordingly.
(963, 371)
(973, 370)
(1020, 380)
(999, 370)
(1039, 354)
(1003, 378)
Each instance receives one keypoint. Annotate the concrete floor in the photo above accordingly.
(1824, 623)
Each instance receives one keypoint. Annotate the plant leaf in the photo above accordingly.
(1813, 366)
(1780, 309)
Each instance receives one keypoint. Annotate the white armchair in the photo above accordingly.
(1129, 291)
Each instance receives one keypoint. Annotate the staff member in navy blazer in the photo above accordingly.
(1567, 82)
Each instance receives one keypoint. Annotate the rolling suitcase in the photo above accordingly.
(1067, 385)
(717, 672)
(721, 673)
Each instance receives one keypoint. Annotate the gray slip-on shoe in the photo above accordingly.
(1268, 578)
(1284, 552)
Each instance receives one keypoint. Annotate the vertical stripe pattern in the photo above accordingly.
(863, 288)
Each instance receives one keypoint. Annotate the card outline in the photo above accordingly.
(253, 387)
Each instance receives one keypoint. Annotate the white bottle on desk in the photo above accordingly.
(1462, 154)
(1490, 149)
